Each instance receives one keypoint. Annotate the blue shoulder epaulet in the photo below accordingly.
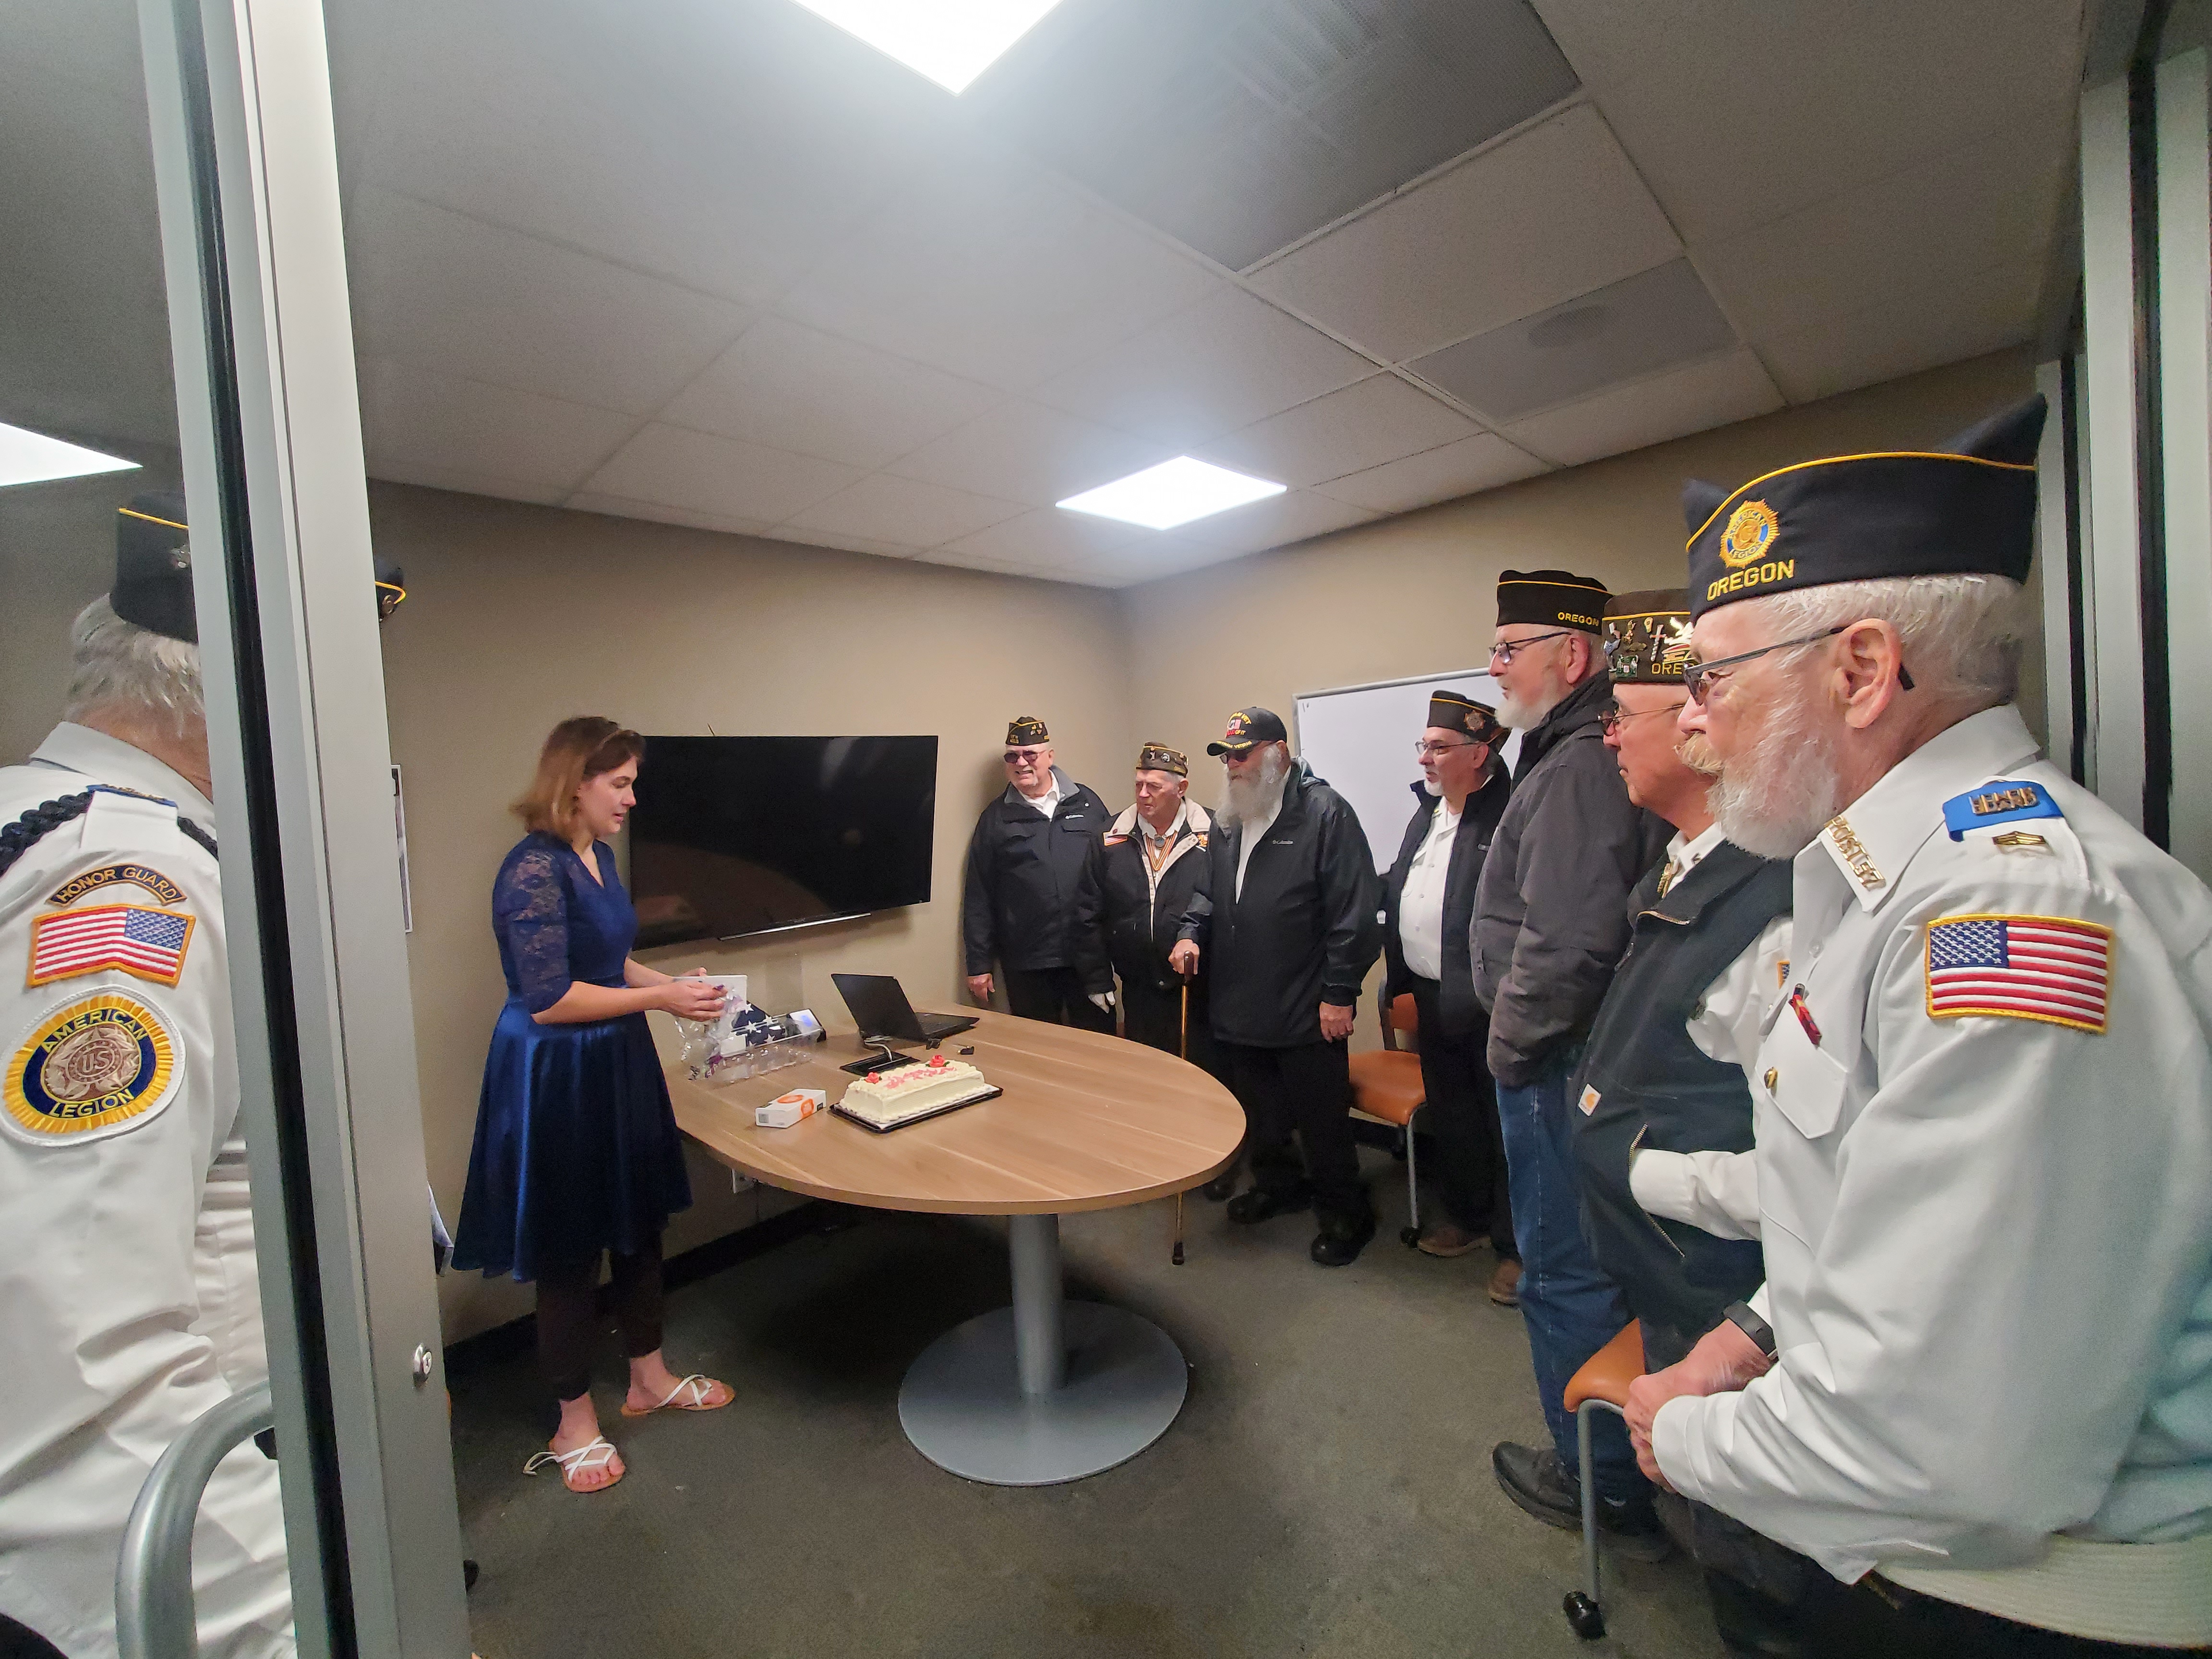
(2001, 802)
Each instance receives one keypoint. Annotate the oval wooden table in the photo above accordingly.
(1049, 1389)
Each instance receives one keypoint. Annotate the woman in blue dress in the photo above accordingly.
(577, 1150)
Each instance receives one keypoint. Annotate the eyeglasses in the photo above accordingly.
(1024, 757)
(1424, 750)
(1505, 651)
(1697, 678)
(1611, 719)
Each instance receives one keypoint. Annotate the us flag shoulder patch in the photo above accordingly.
(131, 939)
(2054, 968)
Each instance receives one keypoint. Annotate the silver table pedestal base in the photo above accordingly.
(1047, 1390)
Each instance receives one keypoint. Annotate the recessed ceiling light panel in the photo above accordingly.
(949, 41)
(1174, 492)
(34, 458)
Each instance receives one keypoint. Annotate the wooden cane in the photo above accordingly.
(1184, 1052)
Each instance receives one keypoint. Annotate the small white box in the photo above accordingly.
(788, 1108)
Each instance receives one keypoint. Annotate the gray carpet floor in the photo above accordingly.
(1326, 1492)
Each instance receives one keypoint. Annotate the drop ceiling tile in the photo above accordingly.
(953, 557)
(696, 472)
(1740, 110)
(1364, 425)
(1728, 387)
(1482, 462)
(991, 270)
(1622, 331)
(417, 417)
(1023, 451)
(1049, 536)
(844, 543)
(1914, 233)
(796, 388)
(903, 511)
(623, 506)
(1552, 212)
(1223, 363)
(437, 290)
(1983, 313)
(1277, 521)
(434, 477)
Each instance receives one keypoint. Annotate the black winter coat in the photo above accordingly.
(1019, 903)
(1120, 928)
(1478, 821)
(1306, 929)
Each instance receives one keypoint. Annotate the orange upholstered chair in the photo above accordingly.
(1601, 1384)
(1386, 1086)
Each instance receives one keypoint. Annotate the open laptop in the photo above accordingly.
(880, 1009)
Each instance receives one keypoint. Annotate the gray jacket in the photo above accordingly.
(1551, 915)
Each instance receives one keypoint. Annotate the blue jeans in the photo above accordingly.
(1571, 1308)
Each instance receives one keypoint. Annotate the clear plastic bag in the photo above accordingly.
(742, 1042)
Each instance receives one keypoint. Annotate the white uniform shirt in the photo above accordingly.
(1716, 1191)
(1048, 802)
(1988, 1238)
(1421, 906)
(129, 1299)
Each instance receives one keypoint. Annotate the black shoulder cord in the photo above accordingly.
(20, 836)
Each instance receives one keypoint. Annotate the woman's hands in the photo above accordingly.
(689, 997)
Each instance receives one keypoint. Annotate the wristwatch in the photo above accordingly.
(1740, 1314)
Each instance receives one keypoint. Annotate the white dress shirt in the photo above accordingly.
(1421, 906)
(1250, 837)
(1048, 802)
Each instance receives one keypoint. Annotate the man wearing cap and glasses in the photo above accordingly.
(1023, 862)
(1975, 1386)
(1551, 921)
(1286, 927)
(1137, 882)
(128, 1278)
(1428, 902)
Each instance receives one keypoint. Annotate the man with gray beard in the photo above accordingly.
(1287, 926)
(1977, 1385)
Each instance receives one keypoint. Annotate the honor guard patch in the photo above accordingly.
(2053, 969)
(129, 938)
(164, 891)
(86, 1069)
(2002, 802)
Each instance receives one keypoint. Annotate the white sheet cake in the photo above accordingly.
(895, 1096)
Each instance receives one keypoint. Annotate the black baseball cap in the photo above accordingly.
(1248, 728)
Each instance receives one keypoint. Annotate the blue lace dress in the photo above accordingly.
(577, 1149)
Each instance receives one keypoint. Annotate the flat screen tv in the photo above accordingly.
(739, 836)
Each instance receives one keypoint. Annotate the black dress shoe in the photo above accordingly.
(1535, 1481)
(1265, 1204)
(1221, 1186)
(1339, 1245)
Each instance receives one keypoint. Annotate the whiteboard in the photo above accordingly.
(1360, 740)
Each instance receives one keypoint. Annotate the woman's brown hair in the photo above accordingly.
(579, 749)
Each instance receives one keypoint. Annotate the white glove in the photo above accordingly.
(1102, 1000)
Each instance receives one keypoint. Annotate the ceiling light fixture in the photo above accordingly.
(34, 458)
(950, 41)
(1174, 492)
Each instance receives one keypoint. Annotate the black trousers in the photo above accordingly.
(1054, 995)
(1306, 1090)
(1462, 1119)
(570, 1323)
(1155, 1019)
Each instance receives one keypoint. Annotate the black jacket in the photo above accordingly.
(1120, 928)
(1305, 931)
(1478, 821)
(1022, 874)
(1551, 912)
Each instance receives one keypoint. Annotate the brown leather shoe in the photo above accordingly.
(1448, 1238)
(1506, 1283)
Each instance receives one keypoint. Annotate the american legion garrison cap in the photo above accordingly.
(1647, 636)
(1027, 728)
(1550, 598)
(1967, 508)
(1454, 711)
(1158, 757)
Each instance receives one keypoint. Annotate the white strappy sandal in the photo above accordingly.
(696, 1386)
(595, 1455)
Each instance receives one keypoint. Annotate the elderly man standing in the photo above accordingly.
(1287, 929)
(1976, 1388)
(1136, 884)
(1551, 921)
(1428, 904)
(1023, 862)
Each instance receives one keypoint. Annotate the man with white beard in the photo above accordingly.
(1976, 1387)
(1287, 926)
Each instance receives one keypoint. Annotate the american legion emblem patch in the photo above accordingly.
(88, 1068)
(2048, 968)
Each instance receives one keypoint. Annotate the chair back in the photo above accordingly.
(1397, 1015)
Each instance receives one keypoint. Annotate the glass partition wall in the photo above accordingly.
(176, 370)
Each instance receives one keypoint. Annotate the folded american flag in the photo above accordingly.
(2048, 968)
(133, 939)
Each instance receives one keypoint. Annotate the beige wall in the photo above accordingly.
(519, 616)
